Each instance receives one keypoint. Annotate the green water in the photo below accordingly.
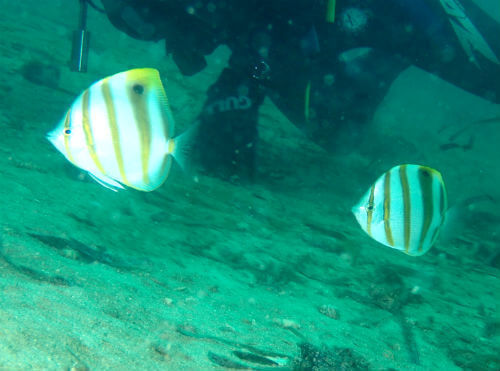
(213, 274)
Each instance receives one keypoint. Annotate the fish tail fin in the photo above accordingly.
(460, 216)
(452, 226)
(183, 151)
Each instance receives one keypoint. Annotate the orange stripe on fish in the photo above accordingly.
(387, 208)
(89, 138)
(403, 176)
(115, 135)
(137, 93)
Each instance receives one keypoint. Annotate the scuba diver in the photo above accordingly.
(325, 64)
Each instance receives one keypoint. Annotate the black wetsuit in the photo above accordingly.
(327, 78)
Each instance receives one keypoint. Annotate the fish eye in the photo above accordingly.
(67, 131)
(138, 88)
(369, 207)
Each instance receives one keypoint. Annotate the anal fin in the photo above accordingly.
(107, 182)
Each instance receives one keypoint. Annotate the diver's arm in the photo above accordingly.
(187, 38)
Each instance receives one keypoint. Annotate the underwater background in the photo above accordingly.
(205, 274)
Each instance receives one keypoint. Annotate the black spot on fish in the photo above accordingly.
(138, 89)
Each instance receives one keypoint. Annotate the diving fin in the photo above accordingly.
(468, 35)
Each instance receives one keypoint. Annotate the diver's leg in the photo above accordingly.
(341, 96)
(228, 126)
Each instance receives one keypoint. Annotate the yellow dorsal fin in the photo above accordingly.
(147, 78)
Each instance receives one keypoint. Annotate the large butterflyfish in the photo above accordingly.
(121, 131)
(404, 209)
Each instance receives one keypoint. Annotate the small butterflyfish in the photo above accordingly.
(404, 209)
(121, 131)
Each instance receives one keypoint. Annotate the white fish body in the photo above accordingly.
(468, 35)
(404, 209)
(120, 130)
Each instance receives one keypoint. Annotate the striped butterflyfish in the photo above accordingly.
(404, 209)
(121, 131)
